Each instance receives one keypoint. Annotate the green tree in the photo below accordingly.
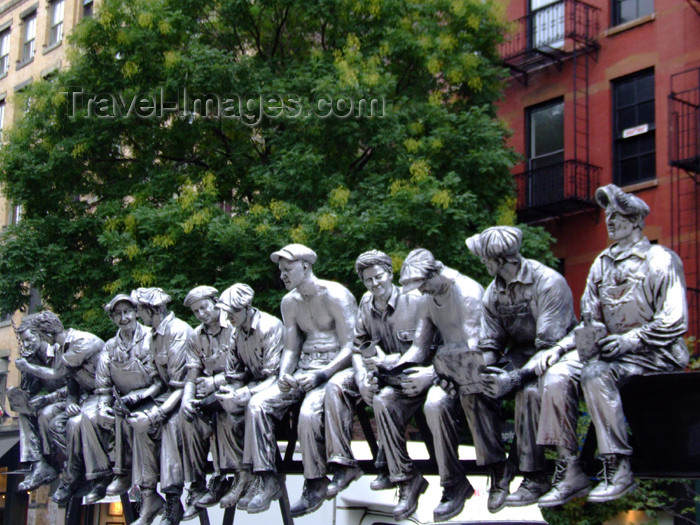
(118, 194)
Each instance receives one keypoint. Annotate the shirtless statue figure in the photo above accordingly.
(318, 320)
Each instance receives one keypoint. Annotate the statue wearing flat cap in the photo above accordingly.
(318, 320)
(157, 436)
(527, 308)
(634, 315)
(126, 371)
(250, 370)
(451, 314)
(205, 425)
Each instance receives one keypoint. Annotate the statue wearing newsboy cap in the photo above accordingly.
(318, 319)
(526, 309)
(636, 294)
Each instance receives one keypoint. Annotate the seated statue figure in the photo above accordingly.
(635, 306)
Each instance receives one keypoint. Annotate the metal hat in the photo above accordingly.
(109, 307)
(198, 293)
(294, 252)
(611, 196)
(235, 297)
(497, 241)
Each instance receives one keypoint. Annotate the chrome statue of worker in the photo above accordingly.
(318, 320)
(452, 313)
(79, 352)
(42, 369)
(125, 380)
(635, 306)
(527, 308)
(157, 436)
(384, 328)
(205, 425)
(251, 369)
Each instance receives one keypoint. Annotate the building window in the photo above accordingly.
(545, 154)
(29, 37)
(88, 6)
(56, 18)
(627, 10)
(547, 24)
(4, 51)
(634, 129)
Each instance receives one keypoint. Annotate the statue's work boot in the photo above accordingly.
(173, 510)
(409, 492)
(120, 485)
(244, 479)
(501, 475)
(453, 499)
(312, 497)
(196, 490)
(569, 482)
(152, 504)
(382, 482)
(616, 479)
(98, 490)
(341, 479)
(269, 489)
(217, 487)
(532, 487)
(64, 492)
(42, 473)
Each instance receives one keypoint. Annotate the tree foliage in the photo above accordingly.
(116, 197)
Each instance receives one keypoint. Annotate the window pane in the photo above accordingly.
(547, 130)
(30, 29)
(626, 119)
(647, 167)
(626, 94)
(5, 43)
(645, 113)
(628, 11)
(645, 88)
(646, 7)
(628, 171)
(628, 148)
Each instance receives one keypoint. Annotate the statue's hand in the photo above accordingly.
(132, 398)
(311, 380)
(417, 379)
(543, 359)
(188, 409)
(139, 422)
(366, 389)
(448, 386)
(38, 402)
(287, 383)
(22, 365)
(615, 345)
(72, 409)
(205, 386)
(496, 383)
(105, 417)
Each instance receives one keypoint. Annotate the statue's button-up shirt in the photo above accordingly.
(259, 348)
(208, 350)
(640, 289)
(392, 329)
(169, 343)
(531, 312)
(80, 353)
(126, 363)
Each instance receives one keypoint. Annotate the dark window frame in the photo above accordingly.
(616, 11)
(621, 174)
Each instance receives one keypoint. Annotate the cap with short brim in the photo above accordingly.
(294, 252)
(109, 307)
(612, 198)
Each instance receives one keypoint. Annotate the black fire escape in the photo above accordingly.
(684, 158)
(548, 37)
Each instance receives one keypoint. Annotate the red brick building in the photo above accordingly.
(606, 91)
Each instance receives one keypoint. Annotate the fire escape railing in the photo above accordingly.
(684, 121)
(560, 187)
(546, 29)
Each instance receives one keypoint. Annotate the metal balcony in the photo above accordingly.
(549, 34)
(556, 190)
(684, 121)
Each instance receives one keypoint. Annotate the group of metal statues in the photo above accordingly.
(150, 405)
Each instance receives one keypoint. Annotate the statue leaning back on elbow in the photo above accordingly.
(634, 315)
(318, 318)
